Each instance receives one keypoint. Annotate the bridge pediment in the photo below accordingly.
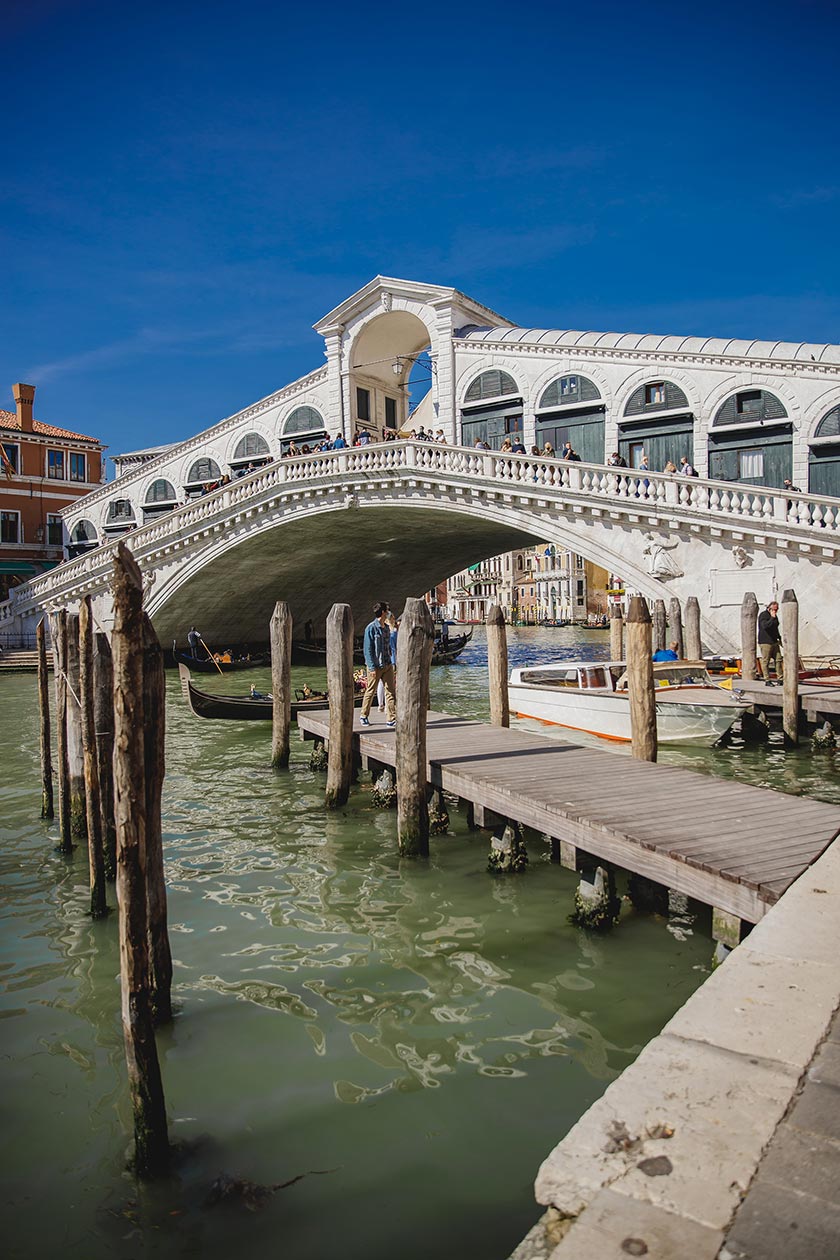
(386, 293)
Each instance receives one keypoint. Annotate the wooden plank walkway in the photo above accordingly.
(734, 847)
(814, 698)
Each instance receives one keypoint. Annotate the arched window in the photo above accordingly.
(492, 410)
(568, 391)
(304, 426)
(82, 538)
(161, 491)
(202, 471)
(751, 439)
(571, 410)
(492, 384)
(252, 447)
(657, 422)
(120, 516)
(824, 456)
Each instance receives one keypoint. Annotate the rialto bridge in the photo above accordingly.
(390, 520)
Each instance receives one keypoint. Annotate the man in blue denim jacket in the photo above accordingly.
(379, 665)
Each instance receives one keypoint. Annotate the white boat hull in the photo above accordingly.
(607, 714)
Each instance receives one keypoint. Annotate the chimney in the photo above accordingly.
(24, 396)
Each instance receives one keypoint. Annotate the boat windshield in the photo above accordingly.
(682, 674)
(588, 677)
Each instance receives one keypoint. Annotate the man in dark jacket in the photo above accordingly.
(379, 665)
(770, 643)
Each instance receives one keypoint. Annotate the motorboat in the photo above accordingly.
(592, 696)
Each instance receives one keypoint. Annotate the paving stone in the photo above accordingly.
(778, 1224)
(614, 1227)
(825, 1069)
(798, 1159)
(818, 1109)
(723, 1109)
(737, 1008)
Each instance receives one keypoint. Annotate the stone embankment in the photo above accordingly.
(722, 1140)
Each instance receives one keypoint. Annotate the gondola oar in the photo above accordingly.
(212, 657)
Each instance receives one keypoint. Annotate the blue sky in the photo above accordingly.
(186, 187)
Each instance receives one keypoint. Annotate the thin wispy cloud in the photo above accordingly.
(798, 197)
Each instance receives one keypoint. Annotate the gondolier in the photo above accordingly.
(194, 640)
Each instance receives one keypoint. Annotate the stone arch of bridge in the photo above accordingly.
(341, 552)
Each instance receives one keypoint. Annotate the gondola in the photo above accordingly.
(207, 665)
(242, 708)
(445, 651)
(448, 650)
(314, 653)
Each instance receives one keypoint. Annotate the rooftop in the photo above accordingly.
(9, 420)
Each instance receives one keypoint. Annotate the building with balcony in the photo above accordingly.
(45, 469)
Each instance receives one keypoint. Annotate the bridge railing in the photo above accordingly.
(779, 509)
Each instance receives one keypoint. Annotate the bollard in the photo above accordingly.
(103, 718)
(497, 667)
(96, 854)
(340, 686)
(749, 620)
(75, 755)
(59, 641)
(616, 633)
(414, 659)
(47, 810)
(280, 634)
(659, 632)
(640, 685)
(154, 709)
(789, 627)
(693, 642)
(675, 623)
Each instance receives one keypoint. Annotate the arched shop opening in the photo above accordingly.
(203, 472)
(571, 410)
(750, 439)
(492, 409)
(83, 538)
(251, 449)
(657, 422)
(305, 427)
(120, 517)
(160, 498)
(824, 456)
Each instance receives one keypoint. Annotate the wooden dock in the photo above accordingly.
(734, 847)
(814, 698)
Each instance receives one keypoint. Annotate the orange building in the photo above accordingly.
(43, 470)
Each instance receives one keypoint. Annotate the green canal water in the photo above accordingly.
(413, 1036)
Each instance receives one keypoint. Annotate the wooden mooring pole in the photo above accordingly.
(789, 626)
(660, 619)
(497, 667)
(616, 633)
(47, 810)
(151, 1142)
(340, 687)
(75, 751)
(693, 642)
(154, 711)
(59, 641)
(749, 620)
(280, 634)
(676, 626)
(96, 854)
(103, 719)
(414, 659)
(640, 680)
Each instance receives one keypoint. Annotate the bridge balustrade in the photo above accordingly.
(779, 510)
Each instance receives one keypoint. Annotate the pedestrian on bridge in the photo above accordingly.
(379, 665)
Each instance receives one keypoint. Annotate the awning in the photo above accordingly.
(17, 566)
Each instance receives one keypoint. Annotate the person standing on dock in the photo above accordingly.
(379, 664)
(770, 644)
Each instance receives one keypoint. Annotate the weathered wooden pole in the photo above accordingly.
(96, 855)
(640, 680)
(659, 626)
(497, 666)
(414, 660)
(675, 624)
(151, 1143)
(154, 710)
(789, 626)
(59, 641)
(103, 718)
(47, 810)
(749, 619)
(340, 688)
(693, 642)
(75, 752)
(280, 633)
(616, 633)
